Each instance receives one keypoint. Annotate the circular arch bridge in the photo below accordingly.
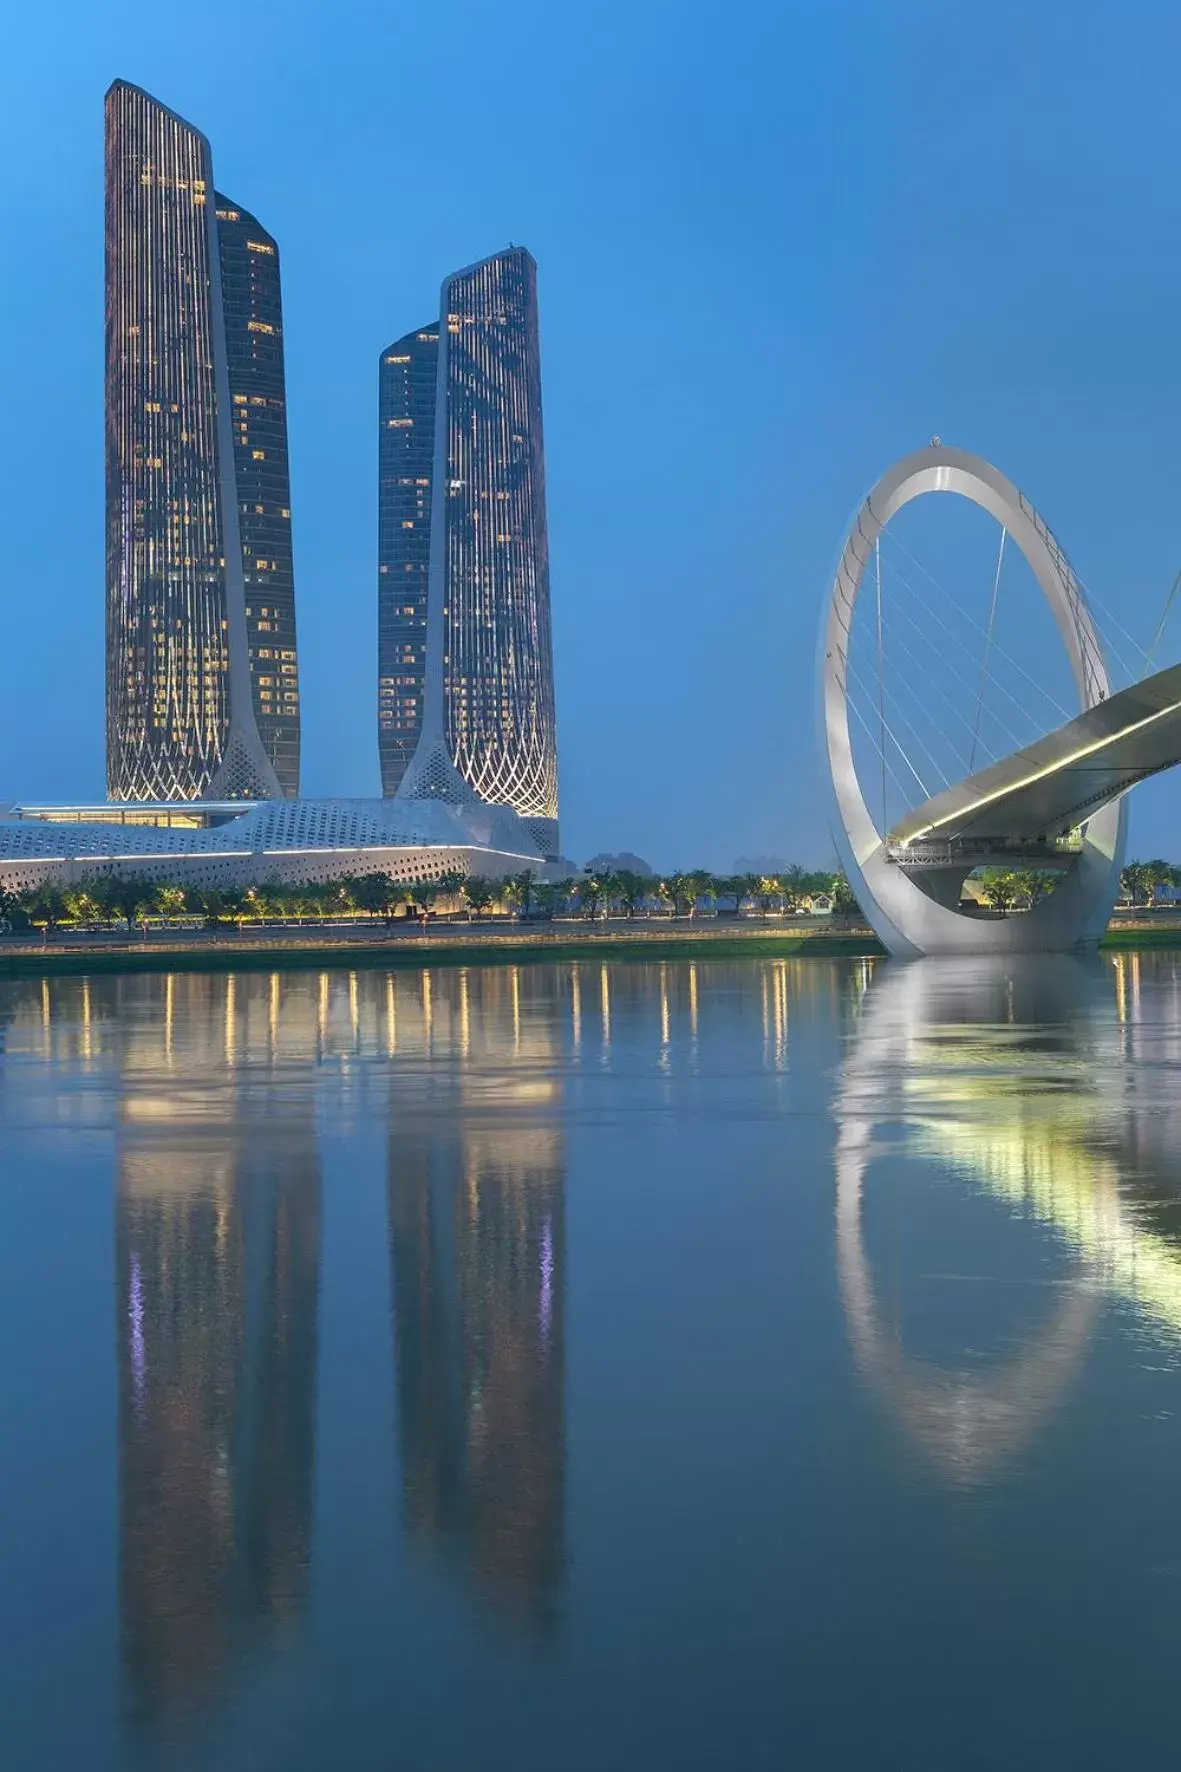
(1055, 805)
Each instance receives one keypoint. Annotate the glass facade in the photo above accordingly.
(498, 652)
(493, 555)
(407, 374)
(253, 313)
(178, 665)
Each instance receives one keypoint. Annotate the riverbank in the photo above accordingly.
(450, 944)
(475, 944)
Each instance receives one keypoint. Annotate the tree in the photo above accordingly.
(1000, 888)
(630, 889)
(235, 903)
(12, 911)
(699, 884)
(742, 887)
(590, 894)
(376, 894)
(450, 884)
(81, 907)
(123, 896)
(170, 901)
(45, 905)
(551, 897)
(213, 905)
(768, 888)
(844, 902)
(519, 891)
(794, 888)
(1034, 884)
(481, 893)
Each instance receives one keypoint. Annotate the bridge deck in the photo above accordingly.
(1050, 787)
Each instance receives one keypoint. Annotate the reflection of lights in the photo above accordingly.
(354, 1012)
(135, 1316)
(693, 1001)
(664, 1017)
(230, 1019)
(605, 1005)
(575, 1008)
(546, 1305)
(391, 1016)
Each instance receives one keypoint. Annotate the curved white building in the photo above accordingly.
(289, 842)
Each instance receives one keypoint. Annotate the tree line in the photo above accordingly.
(1019, 889)
(109, 900)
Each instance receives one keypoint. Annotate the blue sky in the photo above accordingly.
(779, 245)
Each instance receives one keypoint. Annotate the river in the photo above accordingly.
(694, 1365)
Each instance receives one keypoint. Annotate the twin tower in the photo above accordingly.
(203, 693)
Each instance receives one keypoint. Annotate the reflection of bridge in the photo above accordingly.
(1054, 805)
(1018, 1081)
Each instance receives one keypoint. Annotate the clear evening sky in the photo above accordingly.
(779, 245)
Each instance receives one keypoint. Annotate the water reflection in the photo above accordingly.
(217, 1233)
(476, 1180)
(1010, 1076)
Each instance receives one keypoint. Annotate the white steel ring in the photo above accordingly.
(905, 918)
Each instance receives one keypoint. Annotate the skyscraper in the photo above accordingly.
(189, 486)
(406, 459)
(253, 310)
(484, 699)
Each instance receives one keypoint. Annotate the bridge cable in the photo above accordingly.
(910, 729)
(1156, 638)
(888, 732)
(954, 707)
(948, 666)
(872, 736)
(1032, 681)
(1111, 620)
(996, 586)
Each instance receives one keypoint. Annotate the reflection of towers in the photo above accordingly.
(217, 1247)
(477, 1233)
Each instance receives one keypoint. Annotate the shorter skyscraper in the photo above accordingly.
(406, 459)
(480, 708)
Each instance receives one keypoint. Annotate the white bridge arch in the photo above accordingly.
(908, 881)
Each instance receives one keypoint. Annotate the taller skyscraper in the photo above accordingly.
(479, 693)
(202, 684)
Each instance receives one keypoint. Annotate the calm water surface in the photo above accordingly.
(631, 1366)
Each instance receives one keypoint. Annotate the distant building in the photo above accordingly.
(405, 464)
(623, 863)
(760, 864)
(202, 697)
(488, 651)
